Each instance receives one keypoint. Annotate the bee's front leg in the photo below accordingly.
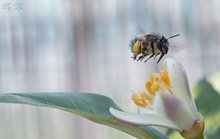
(161, 56)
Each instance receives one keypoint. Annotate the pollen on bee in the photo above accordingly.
(137, 47)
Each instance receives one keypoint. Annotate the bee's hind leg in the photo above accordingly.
(149, 57)
(140, 58)
(133, 58)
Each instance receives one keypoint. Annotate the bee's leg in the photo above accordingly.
(162, 54)
(149, 57)
(143, 49)
(140, 58)
(153, 53)
(152, 47)
(133, 58)
(156, 55)
(143, 57)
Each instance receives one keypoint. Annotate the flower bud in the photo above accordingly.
(196, 132)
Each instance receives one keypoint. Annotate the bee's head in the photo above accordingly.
(163, 45)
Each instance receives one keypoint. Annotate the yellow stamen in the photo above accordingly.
(142, 100)
(153, 85)
(158, 82)
(139, 102)
(149, 88)
(146, 97)
(166, 79)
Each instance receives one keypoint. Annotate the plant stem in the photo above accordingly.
(201, 136)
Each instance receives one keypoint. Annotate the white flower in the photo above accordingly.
(168, 103)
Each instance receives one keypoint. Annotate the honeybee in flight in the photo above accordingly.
(150, 44)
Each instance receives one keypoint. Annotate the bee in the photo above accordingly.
(150, 44)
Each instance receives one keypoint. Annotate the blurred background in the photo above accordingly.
(82, 45)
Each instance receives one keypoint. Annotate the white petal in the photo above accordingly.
(176, 110)
(152, 119)
(180, 84)
(178, 78)
(145, 111)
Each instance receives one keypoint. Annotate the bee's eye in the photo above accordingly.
(166, 50)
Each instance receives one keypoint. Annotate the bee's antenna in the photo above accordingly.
(173, 36)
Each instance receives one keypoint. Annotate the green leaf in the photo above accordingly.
(208, 103)
(90, 106)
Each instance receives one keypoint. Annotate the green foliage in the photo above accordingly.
(208, 103)
(90, 106)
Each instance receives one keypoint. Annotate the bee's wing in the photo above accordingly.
(140, 29)
(175, 49)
